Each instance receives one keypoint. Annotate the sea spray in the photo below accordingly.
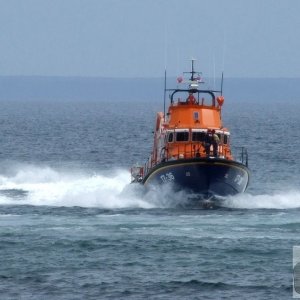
(23, 184)
(43, 185)
(279, 200)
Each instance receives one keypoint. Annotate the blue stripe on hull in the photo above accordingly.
(206, 177)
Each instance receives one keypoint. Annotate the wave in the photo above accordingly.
(22, 184)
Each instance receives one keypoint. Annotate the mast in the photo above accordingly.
(193, 72)
(165, 91)
(222, 85)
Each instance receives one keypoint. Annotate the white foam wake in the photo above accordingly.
(42, 185)
(281, 200)
(36, 185)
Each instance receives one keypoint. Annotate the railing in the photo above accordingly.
(192, 150)
(243, 156)
(137, 173)
(187, 150)
(195, 150)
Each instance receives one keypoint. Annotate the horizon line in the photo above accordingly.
(136, 77)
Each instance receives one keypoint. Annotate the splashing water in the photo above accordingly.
(36, 185)
(282, 200)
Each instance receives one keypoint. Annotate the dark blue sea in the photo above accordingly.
(71, 226)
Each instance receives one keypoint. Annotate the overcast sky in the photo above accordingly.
(138, 38)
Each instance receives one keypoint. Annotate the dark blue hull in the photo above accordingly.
(207, 177)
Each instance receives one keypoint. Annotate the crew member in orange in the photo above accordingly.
(191, 99)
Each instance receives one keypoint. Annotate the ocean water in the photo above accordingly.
(72, 227)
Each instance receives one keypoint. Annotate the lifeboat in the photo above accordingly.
(191, 148)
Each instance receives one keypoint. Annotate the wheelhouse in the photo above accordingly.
(194, 135)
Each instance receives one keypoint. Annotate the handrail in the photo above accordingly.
(189, 150)
(196, 150)
(211, 93)
(242, 155)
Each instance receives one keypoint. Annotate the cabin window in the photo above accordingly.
(196, 116)
(182, 136)
(170, 137)
(225, 139)
(198, 136)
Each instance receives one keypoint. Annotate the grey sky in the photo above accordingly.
(137, 38)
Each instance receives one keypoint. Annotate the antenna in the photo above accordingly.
(165, 91)
(192, 72)
(192, 77)
(214, 71)
(224, 50)
(222, 84)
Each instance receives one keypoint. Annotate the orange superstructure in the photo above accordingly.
(181, 134)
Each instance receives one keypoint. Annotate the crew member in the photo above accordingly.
(208, 140)
(215, 142)
(191, 99)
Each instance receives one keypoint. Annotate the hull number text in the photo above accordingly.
(168, 177)
(238, 179)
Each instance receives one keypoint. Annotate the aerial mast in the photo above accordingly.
(193, 72)
(165, 91)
